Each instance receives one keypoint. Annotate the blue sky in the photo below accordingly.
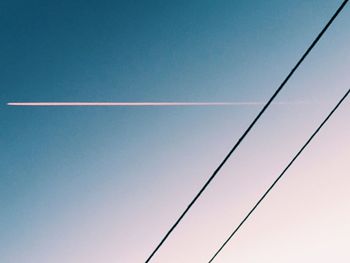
(104, 184)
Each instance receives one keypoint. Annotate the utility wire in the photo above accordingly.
(249, 128)
(281, 175)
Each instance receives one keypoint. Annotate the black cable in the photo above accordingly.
(281, 175)
(249, 128)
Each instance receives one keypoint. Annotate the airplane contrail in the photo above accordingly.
(140, 104)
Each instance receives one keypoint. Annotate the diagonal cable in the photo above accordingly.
(280, 176)
(249, 128)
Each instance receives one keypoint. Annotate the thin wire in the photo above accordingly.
(248, 129)
(281, 175)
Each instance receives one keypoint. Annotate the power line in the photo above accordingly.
(281, 175)
(248, 129)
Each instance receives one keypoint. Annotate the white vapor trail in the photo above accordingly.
(138, 104)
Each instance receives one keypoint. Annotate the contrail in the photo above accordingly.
(141, 104)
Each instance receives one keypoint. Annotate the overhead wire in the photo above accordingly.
(280, 176)
(281, 86)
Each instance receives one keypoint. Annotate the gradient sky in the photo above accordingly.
(104, 184)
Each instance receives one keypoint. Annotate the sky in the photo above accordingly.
(104, 184)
